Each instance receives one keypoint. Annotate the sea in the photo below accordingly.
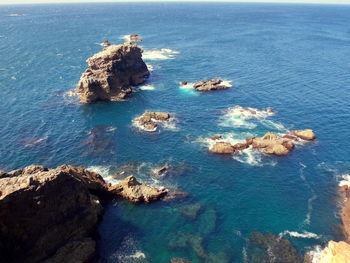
(291, 58)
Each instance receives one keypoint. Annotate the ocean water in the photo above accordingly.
(292, 58)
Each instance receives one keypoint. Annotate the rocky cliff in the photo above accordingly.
(50, 215)
(111, 73)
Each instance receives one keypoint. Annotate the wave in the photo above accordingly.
(150, 67)
(345, 180)
(304, 234)
(33, 141)
(159, 54)
(147, 87)
(104, 171)
(189, 89)
(238, 116)
(315, 254)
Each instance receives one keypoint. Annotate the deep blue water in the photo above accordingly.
(292, 58)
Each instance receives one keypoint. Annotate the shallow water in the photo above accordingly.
(292, 58)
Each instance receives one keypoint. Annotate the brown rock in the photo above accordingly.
(111, 73)
(208, 85)
(240, 146)
(137, 192)
(45, 213)
(105, 43)
(183, 82)
(307, 134)
(335, 252)
(222, 148)
(148, 121)
(161, 171)
(272, 144)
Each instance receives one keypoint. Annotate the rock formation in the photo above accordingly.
(334, 252)
(137, 192)
(270, 143)
(46, 212)
(149, 120)
(50, 215)
(208, 85)
(345, 210)
(111, 73)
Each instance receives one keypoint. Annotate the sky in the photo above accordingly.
(277, 1)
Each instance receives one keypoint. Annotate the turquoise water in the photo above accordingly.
(292, 58)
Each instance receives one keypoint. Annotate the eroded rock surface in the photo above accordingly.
(45, 213)
(137, 192)
(149, 120)
(212, 84)
(111, 73)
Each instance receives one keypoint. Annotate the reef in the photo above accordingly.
(111, 74)
(270, 143)
(50, 215)
(149, 121)
(269, 247)
(212, 84)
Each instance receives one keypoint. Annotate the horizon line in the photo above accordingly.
(179, 1)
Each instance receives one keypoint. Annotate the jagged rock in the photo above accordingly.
(273, 144)
(222, 148)
(183, 82)
(274, 248)
(344, 192)
(149, 120)
(111, 73)
(45, 213)
(137, 192)
(216, 137)
(307, 134)
(162, 171)
(208, 85)
(179, 260)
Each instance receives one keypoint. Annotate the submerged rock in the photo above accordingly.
(208, 85)
(179, 260)
(47, 213)
(191, 211)
(272, 248)
(137, 192)
(111, 73)
(149, 120)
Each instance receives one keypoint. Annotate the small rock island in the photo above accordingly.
(111, 73)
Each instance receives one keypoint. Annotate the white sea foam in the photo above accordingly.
(345, 180)
(315, 254)
(304, 234)
(16, 15)
(166, 125)
(147, 87)
(104, 171)
(227, 83)
(159, 54)
(188, 89)
(126, 38)
(33, 141)
(244, 255)
(150, 67)
(311, 199)
(238, 116)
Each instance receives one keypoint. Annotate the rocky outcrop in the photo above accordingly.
(111, 73)
(344, 191)
(307, 134)
(149, 120)
(270, 143)
(50, 215)
(137, 192)
(208, 85)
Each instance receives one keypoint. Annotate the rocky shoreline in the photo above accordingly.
(51, 215)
